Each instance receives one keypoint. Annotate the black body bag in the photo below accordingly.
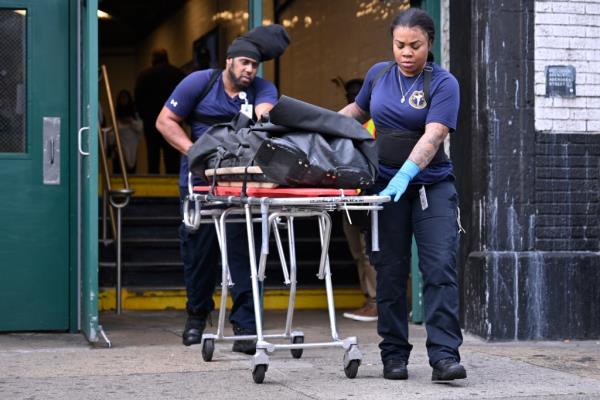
(300, 145)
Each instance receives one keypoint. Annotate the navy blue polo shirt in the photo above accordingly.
(217, 104)
(388, 111)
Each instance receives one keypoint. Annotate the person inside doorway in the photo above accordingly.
(130, 131)
(152, 88)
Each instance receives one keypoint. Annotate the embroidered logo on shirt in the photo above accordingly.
(173, 103)
(417, 100)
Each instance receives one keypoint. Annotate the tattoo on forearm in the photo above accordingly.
(428, 145)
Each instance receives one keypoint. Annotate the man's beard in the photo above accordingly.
(237, 81)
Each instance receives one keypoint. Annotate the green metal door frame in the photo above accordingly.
(255, 16)
(86, 168)
(433, 8)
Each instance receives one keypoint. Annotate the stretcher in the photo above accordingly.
(274, 208)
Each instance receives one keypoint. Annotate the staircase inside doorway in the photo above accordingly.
(150, 251)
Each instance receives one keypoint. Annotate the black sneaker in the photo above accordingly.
(448, 369)
(194, 327)
(395, 369)
(244, 346)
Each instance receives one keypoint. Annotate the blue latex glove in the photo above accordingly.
(398, 184)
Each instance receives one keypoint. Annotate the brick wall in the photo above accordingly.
(566, 192)
(568, 32)
(567, 151)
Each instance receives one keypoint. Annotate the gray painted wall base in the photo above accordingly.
(532, 295)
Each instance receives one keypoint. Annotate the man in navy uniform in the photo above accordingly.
(203, 99)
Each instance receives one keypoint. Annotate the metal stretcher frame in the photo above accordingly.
(270, 211)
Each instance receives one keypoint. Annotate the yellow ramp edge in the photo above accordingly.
(274, 299)
(149, 186)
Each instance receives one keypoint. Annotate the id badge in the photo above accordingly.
(246, 109)
(423, 198)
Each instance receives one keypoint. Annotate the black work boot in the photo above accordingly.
(194, 327)
(448, 369)
(395, 369)
(244, 346)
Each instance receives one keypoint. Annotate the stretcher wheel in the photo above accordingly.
(297, 353)
(208, 348)
(258, 373)
(352, 369)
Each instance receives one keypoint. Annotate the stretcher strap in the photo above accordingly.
(214, 177)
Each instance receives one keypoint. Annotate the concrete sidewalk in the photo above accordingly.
(148, 361)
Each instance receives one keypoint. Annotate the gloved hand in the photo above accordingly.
(398, 184)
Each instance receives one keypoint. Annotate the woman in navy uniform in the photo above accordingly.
(414, 104)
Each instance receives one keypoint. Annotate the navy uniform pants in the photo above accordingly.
(436, 234)
(201, 255)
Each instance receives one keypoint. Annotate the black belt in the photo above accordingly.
(395, 145)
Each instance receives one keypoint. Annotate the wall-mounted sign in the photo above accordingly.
(560, 81)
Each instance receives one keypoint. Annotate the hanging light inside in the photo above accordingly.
(104, 15)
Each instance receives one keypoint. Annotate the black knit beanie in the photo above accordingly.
(262, 43)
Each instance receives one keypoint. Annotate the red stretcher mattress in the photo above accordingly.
(277, 192)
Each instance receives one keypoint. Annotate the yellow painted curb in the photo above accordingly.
(149, 186)
(274, 299)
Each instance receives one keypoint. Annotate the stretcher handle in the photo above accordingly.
(374, 230)
(191, 217)
(264, 219)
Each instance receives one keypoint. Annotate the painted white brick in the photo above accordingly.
(581, 67)
(582, 114)
(540, 66)
(568, 7)
(544, 102)
(542, 124)
(588, 78)
(592, 8)
(568, 33)
(541, 7)
(561, 30)
(549, 54)
(588, 90)
(550, 19)
(583, 43)
(569, 102)
(593, 126)
(578, 54)
(552, 42)
(540, 77)
(592, 31)
(569, 126)
(540, 89)
(551, 113)
(593, 102)
(594, 113)
(592, 55)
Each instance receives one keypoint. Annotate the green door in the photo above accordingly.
(34, 163)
